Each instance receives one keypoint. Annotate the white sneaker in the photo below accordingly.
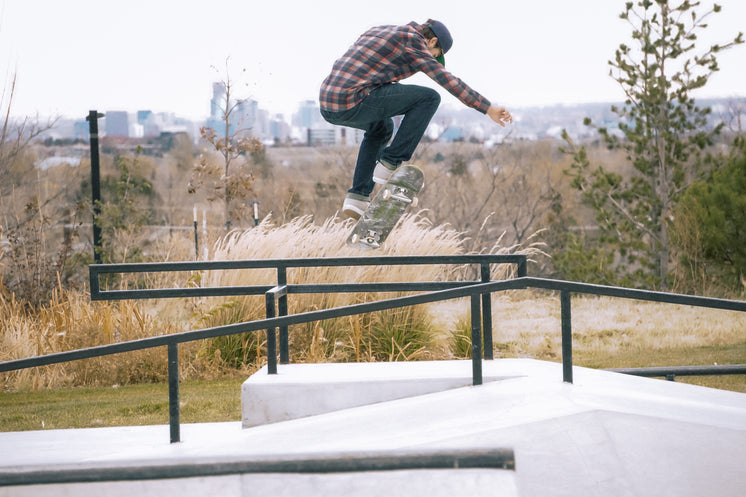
(383, 172)
(354, 205)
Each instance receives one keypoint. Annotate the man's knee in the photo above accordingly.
(382, 130)
(432, 97)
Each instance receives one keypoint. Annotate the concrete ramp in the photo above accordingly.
(607, 434)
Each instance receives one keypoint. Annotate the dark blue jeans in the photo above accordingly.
(374, 115)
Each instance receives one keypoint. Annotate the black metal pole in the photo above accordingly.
(173, 391)
(476, 340)
(487, 314)
(566, 336)
(282, 280)
(196, 237)
(269, 301)
(93, 117)
(522, 268)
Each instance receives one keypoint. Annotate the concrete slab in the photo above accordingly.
(300, 390)
(607, 434)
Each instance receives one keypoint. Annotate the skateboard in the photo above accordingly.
(386, 208)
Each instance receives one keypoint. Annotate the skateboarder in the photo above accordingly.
(362, 91)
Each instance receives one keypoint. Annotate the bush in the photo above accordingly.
(709, 225)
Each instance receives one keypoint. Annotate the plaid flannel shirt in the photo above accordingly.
(383, 55)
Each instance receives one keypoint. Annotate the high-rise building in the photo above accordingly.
(245, 115)
(143, 116)
(81, 130)
(117, 123)
(218, 103)
(279, 130)
(308, 114)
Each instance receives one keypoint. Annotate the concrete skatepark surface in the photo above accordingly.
(607, 434)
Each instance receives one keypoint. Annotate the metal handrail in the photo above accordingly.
(324, 463)
(283, 321)
(474, 289)
(671, 372)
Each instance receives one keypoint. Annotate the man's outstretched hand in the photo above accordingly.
(500, 115)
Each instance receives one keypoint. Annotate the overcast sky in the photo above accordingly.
(73, 56)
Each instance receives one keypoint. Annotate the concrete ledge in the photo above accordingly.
(301, 390)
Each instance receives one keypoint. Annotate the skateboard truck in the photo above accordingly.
(371, 239)
(399, 193)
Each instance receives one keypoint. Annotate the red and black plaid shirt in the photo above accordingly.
(383, 55)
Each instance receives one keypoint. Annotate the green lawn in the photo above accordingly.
(220, 400)
(146, 404)
(681, 356)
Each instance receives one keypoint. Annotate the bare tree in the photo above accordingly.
(506, 189)
(15, 140)
(231, 181)
(33, 263)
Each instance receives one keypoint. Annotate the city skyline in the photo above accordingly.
(449, 123)
(71, 57)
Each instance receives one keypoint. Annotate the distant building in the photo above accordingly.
(279, 130)
(453, 134)
(136, 130)
(117, 123)
(81, 130)
(217, 104)
(308, 114)
(354, 136)
(143, 116)
(322, 136)
(246, 115)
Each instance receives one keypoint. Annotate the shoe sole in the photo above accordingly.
(352, 213)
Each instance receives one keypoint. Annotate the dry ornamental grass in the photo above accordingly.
(607, 332)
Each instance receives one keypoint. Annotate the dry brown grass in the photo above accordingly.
(71, 321)
(375, 337)
(610, 325)
(607, 332)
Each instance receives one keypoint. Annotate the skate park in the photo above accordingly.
(511, 426)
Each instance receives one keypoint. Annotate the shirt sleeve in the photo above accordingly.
(424, 61)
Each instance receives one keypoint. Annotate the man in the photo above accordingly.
(363, 92)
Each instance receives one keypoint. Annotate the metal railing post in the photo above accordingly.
(522, 267)
(282, 280)
(487, 314)
(271, 335)
(93, 117)
(173, 391)
(476, 341)
(566, 336)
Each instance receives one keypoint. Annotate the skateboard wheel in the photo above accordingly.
(386, 194)
(415, 201)
(355, 238)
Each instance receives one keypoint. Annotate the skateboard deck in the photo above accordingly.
(386, 208)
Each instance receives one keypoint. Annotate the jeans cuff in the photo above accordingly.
(357, 196)
(388, 165)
